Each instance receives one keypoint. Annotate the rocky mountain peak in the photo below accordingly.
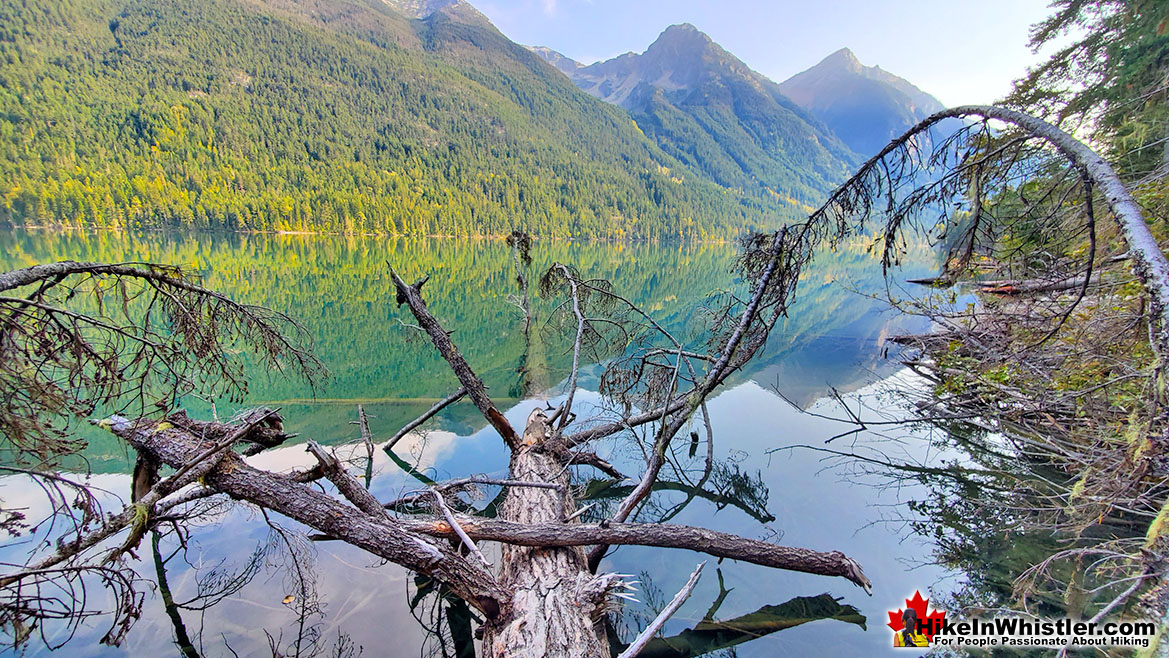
(679, 40)
(420, 8)
(842, 59)
(865, 106)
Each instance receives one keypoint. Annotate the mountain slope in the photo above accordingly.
(711, 111)
(864, 105)
(335, 115)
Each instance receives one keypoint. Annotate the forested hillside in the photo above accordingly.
(304, 115)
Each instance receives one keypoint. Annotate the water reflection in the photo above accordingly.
(340, 289)
(711, 635)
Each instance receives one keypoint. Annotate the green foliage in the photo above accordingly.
(1110, 76)
(340, 117)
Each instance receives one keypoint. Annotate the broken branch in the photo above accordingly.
(650, 631)
(662, 535)
(430, 413)
(345, 483)
(412, 296)
(450, 517)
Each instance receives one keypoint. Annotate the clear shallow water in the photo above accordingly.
(339, 287)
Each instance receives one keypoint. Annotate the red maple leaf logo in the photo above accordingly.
(921, 607)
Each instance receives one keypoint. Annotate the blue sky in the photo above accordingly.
(958, 50)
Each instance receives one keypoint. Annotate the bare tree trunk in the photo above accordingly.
(1148, 261)
(554, 609)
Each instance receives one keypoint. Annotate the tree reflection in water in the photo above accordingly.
(338, 292)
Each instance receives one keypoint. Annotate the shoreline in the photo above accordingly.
(403, 236)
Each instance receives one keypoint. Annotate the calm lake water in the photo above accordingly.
(340, 289)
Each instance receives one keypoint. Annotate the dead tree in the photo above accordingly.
(134, 338)
(545, 597)
(1045, 227)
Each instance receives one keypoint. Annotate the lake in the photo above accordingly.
(834, 339)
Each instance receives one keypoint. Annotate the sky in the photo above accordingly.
(960, 51)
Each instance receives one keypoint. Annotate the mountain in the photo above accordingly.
(709, 110)
(420, 8)
(563, 63)
(863, 105)
(416, 117)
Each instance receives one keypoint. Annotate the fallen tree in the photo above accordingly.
(546, 596)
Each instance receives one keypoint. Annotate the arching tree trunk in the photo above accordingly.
(1148, 261)
(1149, 266)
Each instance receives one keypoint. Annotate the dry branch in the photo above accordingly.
(650, 631)
(719, 371)
(455, 485)
(565, 412)
(430, 413)
(367, 441)
(662, 535)
(412, 296)
(450, 518)
(345, 483)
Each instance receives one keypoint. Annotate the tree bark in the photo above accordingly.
(556, 603)
(377, 534)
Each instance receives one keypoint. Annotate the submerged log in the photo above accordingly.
(1017, 287)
